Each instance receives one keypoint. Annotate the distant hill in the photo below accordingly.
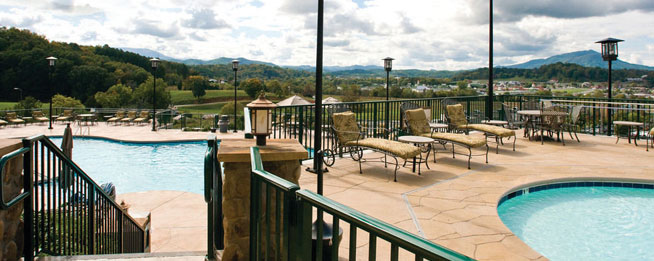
(336, 68)
(221, 60)
(587, 58)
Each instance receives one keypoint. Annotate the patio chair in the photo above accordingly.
(512, 118)
(552, 124)
(457, 120)
(143, 116)
(572, 123)
(12, 118)
(349, 136)
(417, 124)
(66, 116)
(117, 117)
(131, 115)
(649, 139)
(39, 117)
(3, 123)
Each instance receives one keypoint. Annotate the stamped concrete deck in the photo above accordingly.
(449, 204)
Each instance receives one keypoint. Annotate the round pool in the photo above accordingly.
(135, 167)
(583, 220)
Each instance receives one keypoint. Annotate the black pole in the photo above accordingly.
(489, 100)
(154, 99)
(235, 70)
(388, 87)
(51, 94)
(610, 98)
(317, 148)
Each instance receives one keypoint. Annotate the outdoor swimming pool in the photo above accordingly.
(598, 221)
(134, 167)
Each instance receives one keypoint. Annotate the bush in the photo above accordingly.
(228, 108)
(60, 101)
(28, 103)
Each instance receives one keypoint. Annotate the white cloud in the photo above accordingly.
(427, 34)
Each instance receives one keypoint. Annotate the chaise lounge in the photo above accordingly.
(349, 136)
(38, 116)
(418, 125)
(143, 116)
(116, 118)
(457, 121)
(13, 119)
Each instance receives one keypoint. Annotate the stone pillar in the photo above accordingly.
(280, 157)
(11, 226)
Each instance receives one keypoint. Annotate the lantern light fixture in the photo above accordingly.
(388, 64)
(261, 118)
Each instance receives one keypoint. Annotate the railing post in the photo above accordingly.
(121, 236)
(375, 118)
(28, 207)
(304, 231)
(301, 124)
(90, 230)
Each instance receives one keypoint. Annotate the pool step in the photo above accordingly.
(167, 256)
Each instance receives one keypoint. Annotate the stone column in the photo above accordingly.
(280, 157)
(11, 225)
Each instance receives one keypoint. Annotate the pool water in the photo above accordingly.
(584, 223)
(134, 167)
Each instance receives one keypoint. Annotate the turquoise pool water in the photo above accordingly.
(135, 167)
(584, 223)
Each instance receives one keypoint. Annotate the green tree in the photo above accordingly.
(351, 93)
(117, 96)
(86, 80)
(252, 87)
(60, 101)
(28, 103)
(275, 87)
(228, 108)
(197, 84)
(142, 96)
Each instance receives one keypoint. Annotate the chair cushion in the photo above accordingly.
(400, 149)
(468, 140)
(418, 123)
(3, 122)
(456, 114)
(345, 125)
(651, 132)
(495, 130)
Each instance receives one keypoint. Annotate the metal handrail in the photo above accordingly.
(420, 246)
(3, 162)
(213, 186)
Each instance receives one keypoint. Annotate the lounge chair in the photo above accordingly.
(456, 120)
(66, 116)
(3, 123)
(13, 119)
(39, 117)
(116, 118)
(418, 125)
(143, 116)
(650, 139)
(130, 117)
(349, 137)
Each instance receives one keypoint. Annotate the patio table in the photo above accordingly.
(85, 118)
(534, 115)
(630, 125)
(425, 146)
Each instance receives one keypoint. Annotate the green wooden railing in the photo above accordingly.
(281, 225)
(213, 189)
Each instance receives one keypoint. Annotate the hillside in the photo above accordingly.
(587, 58)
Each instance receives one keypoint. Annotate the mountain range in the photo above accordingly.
(588, 58)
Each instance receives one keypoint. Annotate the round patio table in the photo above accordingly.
(439, 126)
(532, 115)
(422, 142)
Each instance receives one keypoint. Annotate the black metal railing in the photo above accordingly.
(213, 189)
(69, 213)
(281, 225)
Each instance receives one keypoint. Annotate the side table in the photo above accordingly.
(630, 125)
(425, 146)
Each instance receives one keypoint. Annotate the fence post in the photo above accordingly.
(301, 123)
(91, 222)
(28, 226)
(375, 118)
(121, 238)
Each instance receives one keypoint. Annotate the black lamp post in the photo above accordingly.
(51, 64)
(21, 93)
(155, 64)
(235, 68)
(610, 54)
(489, 98)
(388, 66)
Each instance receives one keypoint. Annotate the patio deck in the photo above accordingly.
(449, 204)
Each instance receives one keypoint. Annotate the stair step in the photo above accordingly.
(167, 256)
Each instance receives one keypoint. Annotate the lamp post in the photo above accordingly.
(51, 63)
(261, 118)
(489, 98)
(388, 66)
(21, 93)
(155, 64)
(610, 54)
(235, 68)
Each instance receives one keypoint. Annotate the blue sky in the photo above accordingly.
(423, 34)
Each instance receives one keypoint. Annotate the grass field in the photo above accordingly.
(7, 105)
(213, 108)
(186, 96)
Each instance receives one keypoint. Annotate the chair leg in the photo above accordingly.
(397, 166)
(470, 155)
(514, 139)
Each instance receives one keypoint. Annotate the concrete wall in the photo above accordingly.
(11, 225)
